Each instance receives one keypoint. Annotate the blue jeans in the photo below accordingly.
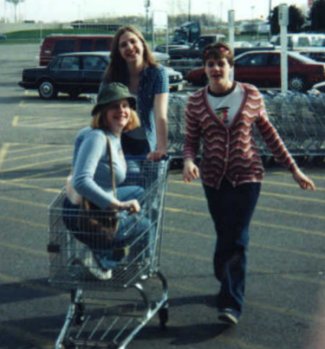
(137, 222)
(231, 209)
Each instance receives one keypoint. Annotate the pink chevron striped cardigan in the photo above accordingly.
(231, 152)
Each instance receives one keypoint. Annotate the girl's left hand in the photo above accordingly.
(304, 181)
(156, 155)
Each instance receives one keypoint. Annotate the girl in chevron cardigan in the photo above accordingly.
(222, 115)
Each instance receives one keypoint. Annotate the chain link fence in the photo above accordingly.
(299, 119)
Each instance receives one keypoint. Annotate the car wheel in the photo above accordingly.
(47, 90)
(296, 83)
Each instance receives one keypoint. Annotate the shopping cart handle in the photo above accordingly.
(144, 158)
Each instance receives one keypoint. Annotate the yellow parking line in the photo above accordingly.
(15, 121)
(266, 181)
(23, 222)
(3, 153)
(263, 306)
(259, 208)
(263, 193)
(39, 154)
(24, 249)
(288, 174)
(275, 249)
(49, 177)
(27, 147)
(35, 165)
(29, 186)
(260, 224)
(22, 202)
(37, 340)
(55, 124)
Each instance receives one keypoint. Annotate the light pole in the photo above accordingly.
(189, 10)
(147, 6)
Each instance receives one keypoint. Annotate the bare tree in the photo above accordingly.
(15, 3)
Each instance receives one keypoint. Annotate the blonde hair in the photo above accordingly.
(99, 120)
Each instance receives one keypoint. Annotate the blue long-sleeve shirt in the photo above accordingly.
(91, 169)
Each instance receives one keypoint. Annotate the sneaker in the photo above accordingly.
(229, 316)
(87, 269)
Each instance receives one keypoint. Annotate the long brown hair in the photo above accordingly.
(117, 70)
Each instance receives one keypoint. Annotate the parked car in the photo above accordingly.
(55, 44)
(263, 69)
(76, 73)
(318, 88)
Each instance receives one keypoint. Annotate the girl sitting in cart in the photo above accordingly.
(97, 158)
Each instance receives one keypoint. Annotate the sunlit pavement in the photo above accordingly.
(285, 283)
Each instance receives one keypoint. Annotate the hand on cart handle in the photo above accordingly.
(304, 181)
(190, 171)
(156, 155)
(132, 206)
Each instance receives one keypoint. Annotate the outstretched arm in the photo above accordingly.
(304, 181)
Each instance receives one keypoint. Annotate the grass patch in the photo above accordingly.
(34, 36)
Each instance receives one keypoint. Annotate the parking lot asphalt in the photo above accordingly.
(285, 306)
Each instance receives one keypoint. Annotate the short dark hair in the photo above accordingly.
(218, 50)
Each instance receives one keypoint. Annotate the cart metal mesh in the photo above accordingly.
(73, 264)
(109, 306)
(299, 119)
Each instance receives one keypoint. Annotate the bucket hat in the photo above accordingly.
(114, 91)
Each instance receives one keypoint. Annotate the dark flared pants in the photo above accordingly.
(231, 209)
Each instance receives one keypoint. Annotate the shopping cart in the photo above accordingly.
(110, 305)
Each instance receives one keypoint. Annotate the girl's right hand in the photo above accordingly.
(132, 206)
(190, 171)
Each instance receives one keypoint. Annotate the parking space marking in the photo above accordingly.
(269, 308)
(15, 121)
(263, 193)
(29, 186)
(24, 249)
(41, 122)
(38, 164)
(27, 147)
(3, 153)
(265, 182)
(293, 197)
(261, 224)
(287, 174)
(23, 202)
(24, 222)
(56, 103)
(37, 340)
(39, 154)
(253, 244)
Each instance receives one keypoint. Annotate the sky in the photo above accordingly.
(69, 10)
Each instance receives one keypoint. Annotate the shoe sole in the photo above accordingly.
(228, 319)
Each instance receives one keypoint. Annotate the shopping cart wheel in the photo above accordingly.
(79, 314)
(163, 316)
(68, 344)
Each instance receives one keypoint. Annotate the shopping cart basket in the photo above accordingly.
(110, 303)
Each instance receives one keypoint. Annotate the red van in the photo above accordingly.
(55, 44)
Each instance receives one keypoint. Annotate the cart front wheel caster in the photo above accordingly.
(79, 315)
(163, 317)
